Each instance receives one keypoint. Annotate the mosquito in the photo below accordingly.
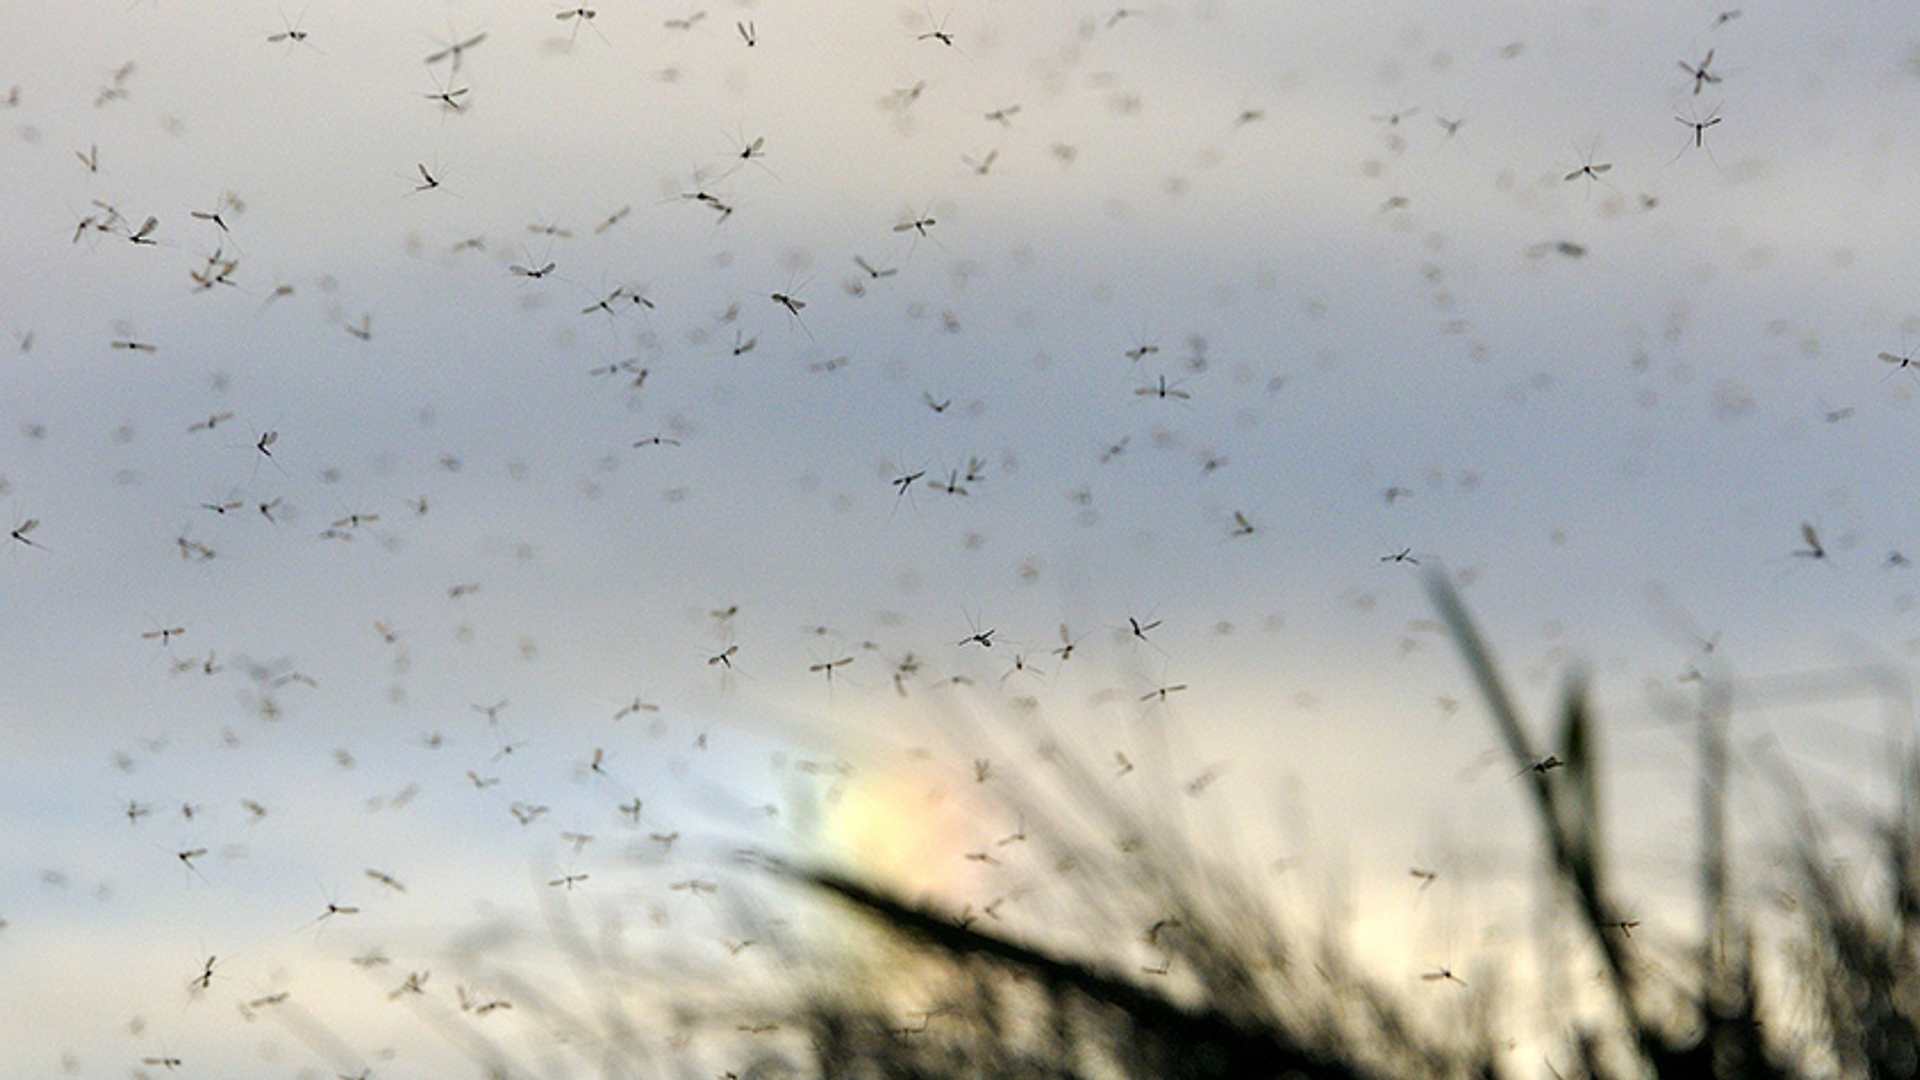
(292, 34)
(1426, 877)
(1588, 169)
(456, 50)
(533, 273)
(1163, 390)
(144, 234)
(1404, 555)
(90, 159)
(364, 329)
(939, 32)
(21, 530)
(567, 881)
(448, 96)
(827, 667)
(873, 272)
(165, 636)
(1900, 363)
(1004, 115)
(580, 16)
(1701, 76)
(724, 657)
(981, 166)
(1442, 974)
(1160, 693)
(1068, 643)
(751, 150)
(1241, 526)
(982, 638)
(1699, 126)
(747, 33)
(1813, 550)
(686, 23)
(940, 405)
(1140, 629)
(1544, 766)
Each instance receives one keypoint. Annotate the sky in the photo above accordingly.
(798, 416)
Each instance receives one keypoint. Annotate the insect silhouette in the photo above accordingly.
(1442, 974)
(21, 530)
(1699, 133)
(1163, 390)
(1241, 526)
(1588, 169)
(580, 16)
(1900, 361)
(747, 33)
(982, 638)
(1404, 555)
(292, 33)
(826, 667)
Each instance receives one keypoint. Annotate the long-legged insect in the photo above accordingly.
(292, 34)
(1813, 550)
(1699, 139)
(580, 16)
(1588, 169)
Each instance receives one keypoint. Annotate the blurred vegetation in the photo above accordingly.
(906, 990)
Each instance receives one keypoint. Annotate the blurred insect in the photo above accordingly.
(567, 881)
(873, 273)
(1625, 926)
(1813, 550)
(415, 983)
(1427, 877)
(938, 406)
(364, 329)
(1241, 526)
(724, 657)
(1701, 76)
(695, 885)
(90, 159)
(1404, 555)
(1725, 17)
(165, 636)
(1004, 115)
(456, 50)
(1021, 666)
(981, 166)
(1441, 974)
(656, 440)
(144, 234)
(130, 345)
(747, 33)
(1139, 629)
(612, 219)
(1451, 127)
(386, 879)
(686, 23)
(1122, 765)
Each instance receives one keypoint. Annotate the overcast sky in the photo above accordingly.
(402, 445)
